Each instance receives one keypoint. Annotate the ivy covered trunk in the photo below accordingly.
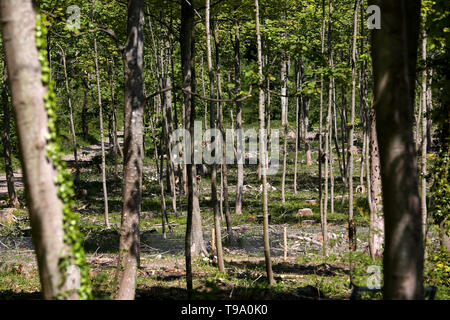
(18, 21)
(133, 58)
(48, 187)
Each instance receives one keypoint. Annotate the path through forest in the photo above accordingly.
(85, 156)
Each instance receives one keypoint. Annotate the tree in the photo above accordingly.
(133, 59)
(240, 148)
(262, 152)
(194, 237)
(397, 41)
(217, 227)
(72, 126)
(351, 148)
(376, 227)
(29, 97)
(99, 97)
(6, 139)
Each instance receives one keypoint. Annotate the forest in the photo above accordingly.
(224, 150)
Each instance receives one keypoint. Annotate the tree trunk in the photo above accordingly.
(168, 127)
(224, 172)
(423, 174)
(212, 123)
(263, 155)
(84, 111)
(116, 146)
(18, 31)
(351, 147)
(194, 238)
(102, 142)
(12, 195)
(284, 89)
(321, 155)
(376, 228)
(332, 92)
(284, 118)
(240, 146)
(72, 126)
(134, 101)
(395, 42)
(429, 109)
(283, 177)
(297, 121)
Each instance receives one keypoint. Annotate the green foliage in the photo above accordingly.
(63, 179)
(439, 273)
(440, 191)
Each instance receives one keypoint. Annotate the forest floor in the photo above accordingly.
(305, 274)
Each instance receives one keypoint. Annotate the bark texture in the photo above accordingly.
(394, 55)
(18, 30)
(133, 58)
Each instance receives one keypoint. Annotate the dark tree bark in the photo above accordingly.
(84, 110)
(394, 55)
(133, 58)
(6, 138)
(194, 237)
(116, 146)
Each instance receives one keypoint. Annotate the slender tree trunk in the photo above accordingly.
(423, 174)
(340, 155)
(72, 126)
(305, 103)
(240, 143)
(214, 202)
(332, 92)
(224, 172)
(284, 118)
(159, 169)
(134, 101)
(321, 155)
(84, 111)
(297, 123)
(429, 109)
(351, 148)
(284, 89)
(205, 112)
(116, 146)
(102, 142)
(376, 230)
(263, 155)
(394, 54)
(283, 177)
(194, 238)
(6, 138)
(168, 127)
